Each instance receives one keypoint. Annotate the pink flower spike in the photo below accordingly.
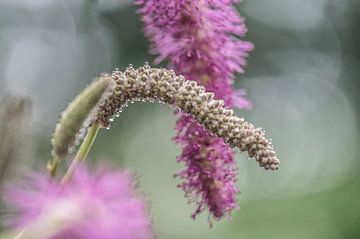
(200, 39)
(211, 171)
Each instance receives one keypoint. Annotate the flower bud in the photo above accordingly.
(74, 116)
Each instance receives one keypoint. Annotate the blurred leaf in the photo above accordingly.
(14, 134)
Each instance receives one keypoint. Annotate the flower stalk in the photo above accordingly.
(83, 151)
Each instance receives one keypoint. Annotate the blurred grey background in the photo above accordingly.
(303, 79)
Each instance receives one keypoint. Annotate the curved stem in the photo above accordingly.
(83, 151)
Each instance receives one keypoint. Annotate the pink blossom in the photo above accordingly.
(200, 39)
(100, 204)
(210, 173)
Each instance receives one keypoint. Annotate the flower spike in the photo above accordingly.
(202, 40)
(146, 83)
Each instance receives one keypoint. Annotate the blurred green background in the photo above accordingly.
(303, 79)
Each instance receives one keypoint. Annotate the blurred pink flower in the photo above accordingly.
(210, 173)
(102, 204)
(200, 40)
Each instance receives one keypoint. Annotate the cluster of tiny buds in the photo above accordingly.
(153, 84)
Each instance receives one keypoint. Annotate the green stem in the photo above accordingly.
(83, 152)
(88, 142)
(52, 166)
(13, 235)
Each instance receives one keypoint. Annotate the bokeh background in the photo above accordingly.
(303, 79)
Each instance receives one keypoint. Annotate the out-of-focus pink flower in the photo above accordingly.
(200, 39)
(102, 204)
